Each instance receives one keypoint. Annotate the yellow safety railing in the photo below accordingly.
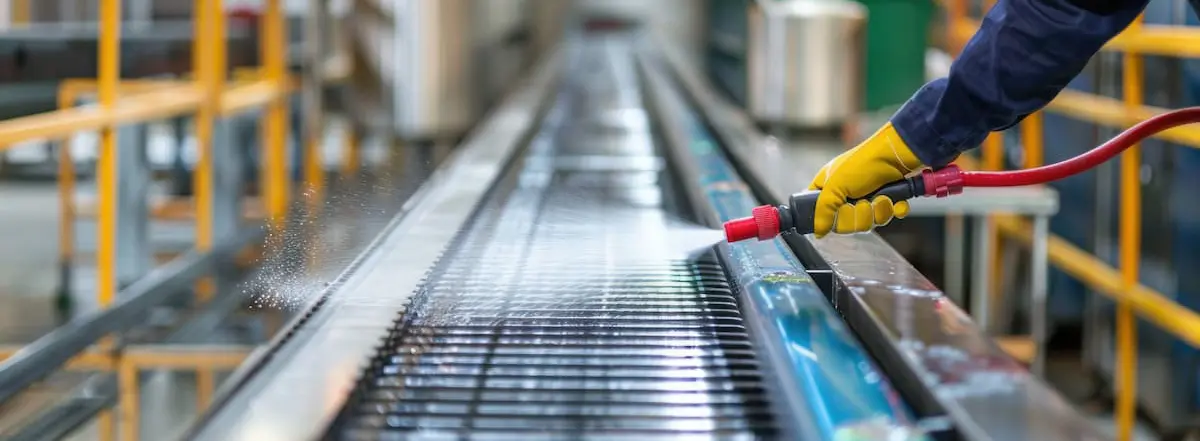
(1120, 284)
(207, 95)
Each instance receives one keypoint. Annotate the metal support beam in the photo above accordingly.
(96, 395)
(139, 11)
(952, 269)
(55, 349)
(228, 176)
(106, 171)
(981, 272)
(275, 185)
(187, 356)
(312, 90)
(1039, 291)
(227, 180)
(134, 251)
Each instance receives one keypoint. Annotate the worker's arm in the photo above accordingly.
(1024, 53)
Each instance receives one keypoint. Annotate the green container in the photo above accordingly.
(897, 33)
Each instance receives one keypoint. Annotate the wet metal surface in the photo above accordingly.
(568, 312)
(831, 386)
(924, 337)
(294, 388)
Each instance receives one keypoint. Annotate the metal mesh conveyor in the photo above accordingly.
(565, 311)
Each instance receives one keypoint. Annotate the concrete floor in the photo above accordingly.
(28, 277)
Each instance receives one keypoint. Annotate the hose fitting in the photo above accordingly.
(943, 182)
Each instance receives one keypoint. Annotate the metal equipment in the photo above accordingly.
(419, 81)
(533, 290)
(804, 62)
(503, 45)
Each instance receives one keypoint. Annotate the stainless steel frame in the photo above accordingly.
(804, 62)
(925, 343)
(324, 348)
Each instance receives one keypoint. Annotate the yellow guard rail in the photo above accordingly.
(206, 96)
(1122, 284)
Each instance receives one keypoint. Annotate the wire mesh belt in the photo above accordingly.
(565, 312)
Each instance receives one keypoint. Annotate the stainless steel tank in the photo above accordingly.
(433, 80)
(804, 61)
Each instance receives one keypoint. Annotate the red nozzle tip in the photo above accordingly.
(738, 230)
(763, 224)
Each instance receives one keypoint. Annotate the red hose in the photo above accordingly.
(1086, 161)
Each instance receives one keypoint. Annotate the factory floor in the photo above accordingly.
(28, 282)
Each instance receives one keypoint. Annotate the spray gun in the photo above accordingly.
(768, 221)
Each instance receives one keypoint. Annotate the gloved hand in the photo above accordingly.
(880, 160)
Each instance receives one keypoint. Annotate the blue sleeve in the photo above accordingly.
(1024, 53)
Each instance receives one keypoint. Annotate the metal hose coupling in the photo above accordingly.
(767, 221)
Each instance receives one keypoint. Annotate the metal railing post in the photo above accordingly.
(313, 106)
(275, 181)
(1130, 252)
(106, 173)
(66, 205)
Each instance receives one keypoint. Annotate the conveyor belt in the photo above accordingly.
(566, 312)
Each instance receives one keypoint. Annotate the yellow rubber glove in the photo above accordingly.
(880, 160)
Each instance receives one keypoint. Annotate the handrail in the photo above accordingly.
(119, 102)
(160, 101)
(1152, 305)
(45, 355)
(1123, 284)
(1113, 113)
